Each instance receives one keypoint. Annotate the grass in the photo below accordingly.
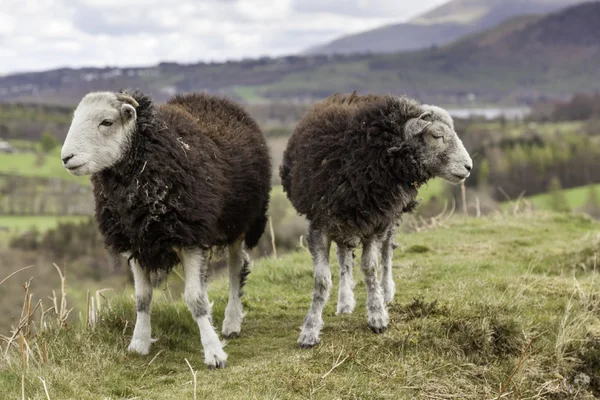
(248, 93)
(435, 187)
(14, 224)
(40, 222)
(24, 164)
(499, 306)
(576, 197)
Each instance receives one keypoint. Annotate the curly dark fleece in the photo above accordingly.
(196, 172)
(350, 168)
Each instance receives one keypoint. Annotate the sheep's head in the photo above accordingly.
(100, 133)
(443, 153)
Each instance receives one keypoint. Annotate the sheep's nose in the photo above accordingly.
(66, 159)
(468, 167)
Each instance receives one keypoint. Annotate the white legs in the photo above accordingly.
(387, 280)
(346, 302)
(195, 270)
(141, 340)
(196, 296)
(377, 316)
(238, 263)
(319, 246)
(378, 292)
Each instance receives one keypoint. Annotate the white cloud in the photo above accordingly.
(45, 34)
(398, 10)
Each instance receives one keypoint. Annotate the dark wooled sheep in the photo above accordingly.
(352, 167)
(172, 182)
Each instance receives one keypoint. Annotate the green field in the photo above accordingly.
(576, 197)
(12, 225)
(42, 223)
(499, 307)
(24, 164)
(434, 187)
(512, 129)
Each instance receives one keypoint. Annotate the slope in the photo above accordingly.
(477, 299)
(518, 61)
(439, 26)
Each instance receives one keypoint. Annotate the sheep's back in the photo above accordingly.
(243, 152)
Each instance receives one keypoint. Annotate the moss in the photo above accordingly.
(418, 249)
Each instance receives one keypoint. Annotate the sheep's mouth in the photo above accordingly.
(460, 177)
(76, 169)
(455, 178)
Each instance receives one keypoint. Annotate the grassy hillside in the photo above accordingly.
(440, 26)
(25, 164)
(11, 225)
(501, 306)
(575, 197)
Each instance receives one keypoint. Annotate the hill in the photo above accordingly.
(574, 198)
(520, 61)
(439, 26)
(485, 307)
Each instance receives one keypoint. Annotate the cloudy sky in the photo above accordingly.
(43, 34)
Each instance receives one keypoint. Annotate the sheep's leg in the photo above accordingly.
(346, 302)
(387, 280)
(195, 270)
(319, 246)
(377, 316)
(141, 340)
(238, 265)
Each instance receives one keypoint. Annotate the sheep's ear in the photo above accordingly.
(415, 126)
(128, 112)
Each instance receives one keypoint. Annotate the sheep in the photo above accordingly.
(353, 166)
(173, 183)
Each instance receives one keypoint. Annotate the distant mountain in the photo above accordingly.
(68, 85)
(439, 26)
(519, 61)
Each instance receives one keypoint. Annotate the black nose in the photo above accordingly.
(469, 167)
(67, 158)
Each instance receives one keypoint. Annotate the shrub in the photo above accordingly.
(48, 142)
(558, 200)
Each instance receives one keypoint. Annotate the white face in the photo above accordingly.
(445, 155)
(99, 134)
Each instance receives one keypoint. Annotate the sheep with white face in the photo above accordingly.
(100, 132)
(353, 166)
(169, 183)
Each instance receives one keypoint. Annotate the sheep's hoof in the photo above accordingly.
(378, 329)
(140, 346)
(308, 340)
(231, 335)
(217, 365)
(215, 361)
(378, 323)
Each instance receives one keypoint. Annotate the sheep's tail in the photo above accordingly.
(284, 173)
(257, 228)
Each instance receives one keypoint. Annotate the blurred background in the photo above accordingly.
(521, 77)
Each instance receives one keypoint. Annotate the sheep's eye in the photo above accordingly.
(438, 136)
(106, 123)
